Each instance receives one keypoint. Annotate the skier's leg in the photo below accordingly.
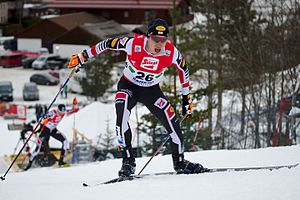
(60, 137)
(23, 138)
(42, 137)
(124, 102)
(160, 106)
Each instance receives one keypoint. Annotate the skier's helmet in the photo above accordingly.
(158, 27)
(61, 108)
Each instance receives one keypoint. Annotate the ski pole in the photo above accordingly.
(196, 135)
(159, 148)
(75, 70)
(15, 149)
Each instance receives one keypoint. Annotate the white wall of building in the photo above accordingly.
(67, 50)
(32, 44)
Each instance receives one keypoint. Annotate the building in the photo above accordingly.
(127, 11)
(85, 35)
(45, 32)
(10, 11)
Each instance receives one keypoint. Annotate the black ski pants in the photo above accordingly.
(126, 98)
(45, 136)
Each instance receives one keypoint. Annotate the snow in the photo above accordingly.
(19, 76)
(91, 120)
(295, 110)
(66, 183)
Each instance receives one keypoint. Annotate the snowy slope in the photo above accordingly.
(66, 183)
(91, 120)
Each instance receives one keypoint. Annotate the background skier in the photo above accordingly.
(48, 128)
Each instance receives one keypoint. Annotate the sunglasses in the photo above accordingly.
(159, 39)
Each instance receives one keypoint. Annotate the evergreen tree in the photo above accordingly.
(108, 138)
(98, 76)
(153, 128)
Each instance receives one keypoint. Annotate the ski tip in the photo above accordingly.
(295, 165)
(85, 185)
(2, 178)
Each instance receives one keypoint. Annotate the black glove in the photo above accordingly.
(187, 106)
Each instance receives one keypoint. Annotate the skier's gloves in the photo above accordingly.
(78, 60)
(187, 106)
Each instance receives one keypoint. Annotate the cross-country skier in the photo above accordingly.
(48, 128)
(147, 59)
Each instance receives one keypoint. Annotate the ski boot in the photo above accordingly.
(128, 167)
(182, 166)
(61, 162)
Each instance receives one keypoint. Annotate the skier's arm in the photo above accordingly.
(75, 107)
(183, 73)
(47, 117)
(117, 44)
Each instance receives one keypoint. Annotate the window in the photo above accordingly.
(126, 14)
(105, 13)
(149, 15)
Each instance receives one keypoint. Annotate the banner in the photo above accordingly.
(18, 111)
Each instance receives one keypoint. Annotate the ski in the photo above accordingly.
(275, 167)
(211, 170)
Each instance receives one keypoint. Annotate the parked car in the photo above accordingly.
(30, 91)
(54, 73)
(41, 61)
(44, 79)
(57, 63)
(12, 59)
(6, 91)
(44, 50)
(27, 62)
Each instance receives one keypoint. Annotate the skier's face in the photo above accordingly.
(156, 44)
(60, 112)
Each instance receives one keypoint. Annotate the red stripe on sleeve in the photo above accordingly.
(180, 73)
(93, 50)
(187, 84)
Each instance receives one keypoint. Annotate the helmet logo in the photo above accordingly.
(160, 28)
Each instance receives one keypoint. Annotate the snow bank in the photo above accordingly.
(66, 183)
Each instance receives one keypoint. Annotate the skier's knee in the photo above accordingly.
(120, 97)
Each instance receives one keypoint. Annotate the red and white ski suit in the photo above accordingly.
(48, 128)
(140, 83)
